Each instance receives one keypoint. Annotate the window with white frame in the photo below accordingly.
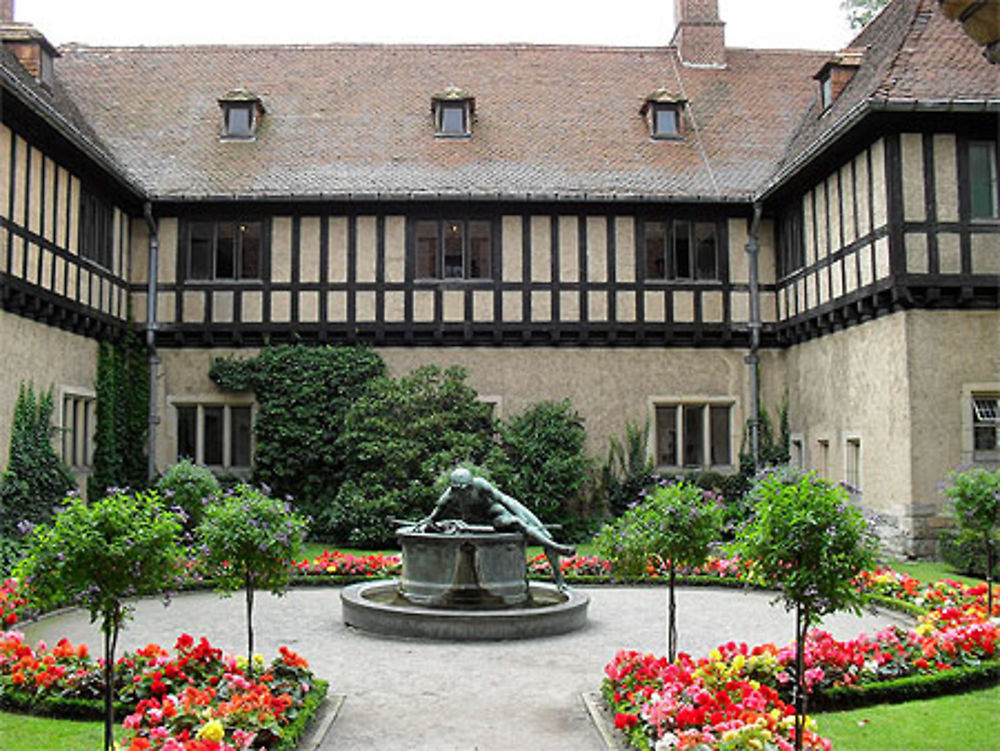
(986, 427)
(693, 435)
(79, 422)
(216, 435)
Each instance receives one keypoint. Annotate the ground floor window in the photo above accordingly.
(852, 462)
(694, 435)
(985, 427)
(79, 421)
(217, 435)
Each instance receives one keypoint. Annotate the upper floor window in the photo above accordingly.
(453, 109)
(96, 229)
(983, 179)
(681, 249)
(452, 248)
(791, 256)
(241, 114)
(662, 110)
(230, 249)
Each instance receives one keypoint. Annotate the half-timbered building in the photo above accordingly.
(668, 235)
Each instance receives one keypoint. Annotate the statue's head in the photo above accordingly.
(461, 478)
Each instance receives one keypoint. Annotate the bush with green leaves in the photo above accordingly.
(974, 498)
(190, 487)
(36, 478)
(544, 464)
(303, 394)
(808, 542)
(249, 541)
(122, 416)
(398, 437)
(675, 524)
(627, 471)
(100, 555)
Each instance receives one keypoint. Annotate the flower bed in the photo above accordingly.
(193, 699)
(335, 563)
(738, 696)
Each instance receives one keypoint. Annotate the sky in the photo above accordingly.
(782, 24)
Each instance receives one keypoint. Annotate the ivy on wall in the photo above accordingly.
(122, 416)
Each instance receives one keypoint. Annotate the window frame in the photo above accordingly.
(993, 186)
(853, 463)
(77, 440)
(658, 108)
(238, 234)
(682, 404)
(973, 420)
(96, 229)
(209, 402)
(672, 254)
(467, 256)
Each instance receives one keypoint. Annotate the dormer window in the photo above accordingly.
(453, 109)
(835, 74)
(662, 110)
(31, 48)
(242, 111)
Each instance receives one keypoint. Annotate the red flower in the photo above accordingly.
(624, 720)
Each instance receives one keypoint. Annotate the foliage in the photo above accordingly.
(398, 437)
(122, 416)
(36, 477)
(627, 471)
(974, 496)
(99, 555)
(544, 463)
(11, 552)
(188, 486)
(860, 12)
(250, 540)
(965, 556)
(731, 490)
(674, 524)
(809, 543)
(303, 394)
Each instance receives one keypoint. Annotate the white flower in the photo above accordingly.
(667, 742)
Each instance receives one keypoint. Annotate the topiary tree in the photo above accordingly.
(807, 541)
(250, 540)
(100, 555)
(188, 486)
(676, 523)
(974, 496)
(398, 437)
(36, 478)
(303, 394)
(544, 464)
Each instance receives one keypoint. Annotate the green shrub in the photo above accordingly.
(627, 471)
(250, 540)
(36, 477)
(974, 497)
(731, 489)
(544, 464)
(122, 416)
(398, 437)
(188, 486)
(965, 556)
(303, 395)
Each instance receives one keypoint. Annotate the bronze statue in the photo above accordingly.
(480, 503)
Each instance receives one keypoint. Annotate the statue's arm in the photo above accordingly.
(442, 502)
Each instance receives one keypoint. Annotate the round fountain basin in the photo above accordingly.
(380, 608)
(476, 568)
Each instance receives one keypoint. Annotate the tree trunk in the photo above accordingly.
(110, 645)
(249, 593)
(990, 560)
(672, 617)
(801, 629)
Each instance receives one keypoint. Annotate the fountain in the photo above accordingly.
(464, 579)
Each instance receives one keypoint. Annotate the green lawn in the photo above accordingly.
(929, 571)
(43, 734)
(948, 723)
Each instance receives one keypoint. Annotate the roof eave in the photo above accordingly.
(409, 196)
(858, 112)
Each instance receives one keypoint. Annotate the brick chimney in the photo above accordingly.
(6, 11)
(700, 35)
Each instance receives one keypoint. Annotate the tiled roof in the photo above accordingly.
(915, 59)
(353, 120)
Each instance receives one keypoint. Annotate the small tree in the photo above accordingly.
(100, 555)
(36, 477)
(676, 524)
(975, 509)
(544, 464)
(250, 541)
(860, 12)
(188, 486)
(808, 542)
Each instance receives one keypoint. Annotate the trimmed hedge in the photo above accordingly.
(908, 688)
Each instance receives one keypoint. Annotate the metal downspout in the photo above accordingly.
(151, 326)
(753, 360)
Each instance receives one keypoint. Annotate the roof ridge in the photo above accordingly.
(77, 47)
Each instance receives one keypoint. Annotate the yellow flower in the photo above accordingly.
(211, 731)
